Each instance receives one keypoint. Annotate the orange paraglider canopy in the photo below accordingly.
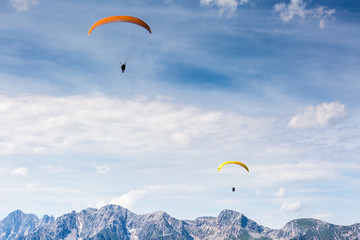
(112, 19)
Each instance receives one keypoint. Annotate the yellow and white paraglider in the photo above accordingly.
(233, 162)
(114, 19)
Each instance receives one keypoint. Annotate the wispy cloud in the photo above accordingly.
(135, 197)
(290, 10)
(297, 8)
(129, 199)
(290, 206)
(322, 13)
(280, 192)
(102, 169)
(23, 5)
(322, 115)
(22, 171)
(227, 7)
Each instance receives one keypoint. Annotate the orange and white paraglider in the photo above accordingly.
(120, 19)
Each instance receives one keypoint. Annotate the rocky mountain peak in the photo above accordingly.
(46, 219)
(226, 217)
(17, 223)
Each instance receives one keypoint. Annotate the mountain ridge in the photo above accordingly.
(115, 222)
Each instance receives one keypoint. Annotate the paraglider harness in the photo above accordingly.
(123, 66)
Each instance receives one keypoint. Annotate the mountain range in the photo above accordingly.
(115, 222)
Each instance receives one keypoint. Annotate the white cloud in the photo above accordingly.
(322, 115)
(289, 11)
(290, 206)
(129, 199)
(180, 138)
(22, 171)
(102, 169)
(23, 5)
(280, 192)
(133, 198)
(298, 8)
(44, 124)
(227, 7)
(322, 13)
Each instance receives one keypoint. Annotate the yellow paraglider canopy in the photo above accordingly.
(233, 162)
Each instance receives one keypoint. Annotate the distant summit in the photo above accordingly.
(114, 222)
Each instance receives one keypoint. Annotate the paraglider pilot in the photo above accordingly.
(123, 66)
(233, 189)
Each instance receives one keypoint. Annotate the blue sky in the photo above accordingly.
(274, 84)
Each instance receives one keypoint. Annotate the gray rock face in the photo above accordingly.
(17, 224)
(115, 222)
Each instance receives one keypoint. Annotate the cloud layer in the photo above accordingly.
(44, 124)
